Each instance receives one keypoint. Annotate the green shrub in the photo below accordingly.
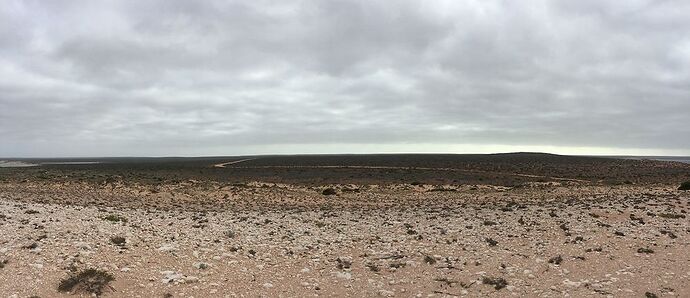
(684, 186)
(89, 281)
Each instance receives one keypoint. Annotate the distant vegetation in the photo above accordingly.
(381, 169)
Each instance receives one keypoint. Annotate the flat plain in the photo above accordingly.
(522, 224)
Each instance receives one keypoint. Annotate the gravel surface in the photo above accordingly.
(197, 239)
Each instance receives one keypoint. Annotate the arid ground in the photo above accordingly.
(523, 225)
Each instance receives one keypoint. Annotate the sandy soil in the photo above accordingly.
(199, 239)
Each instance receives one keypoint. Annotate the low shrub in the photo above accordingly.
(89, 281)
(684, 186)
(497, 282)
(115, 218)
(117, 240)
(329, 192)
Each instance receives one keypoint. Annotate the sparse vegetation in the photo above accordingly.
(366, 235)
(556, 260)
(684, 186)
(672, 215)
(441, 188)
(89, 281)
(343, 264)
(644, 250)
(446, 281)
(115, 218)
(117, 240)
(498, 282)
(31, 246)
(329, 191)
(373, 267)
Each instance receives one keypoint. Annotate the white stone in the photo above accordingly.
(167, 247)
(573, 284)
(386, 293)
(343, 275)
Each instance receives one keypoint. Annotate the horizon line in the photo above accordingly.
(335, 154)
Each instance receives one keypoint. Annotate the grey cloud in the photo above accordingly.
(218, 77)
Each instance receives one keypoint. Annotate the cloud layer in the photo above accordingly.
(233, 77)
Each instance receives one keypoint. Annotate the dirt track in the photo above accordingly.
(222, 165)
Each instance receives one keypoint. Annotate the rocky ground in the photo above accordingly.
(200, 239)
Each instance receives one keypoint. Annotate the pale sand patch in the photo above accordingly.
(15, 164)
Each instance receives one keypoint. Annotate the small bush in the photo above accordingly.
(429, 260)
(329, 191)
(3, 263)
(497, 282)
(684, 186)
(643, 250)
(671, 215)
(490, 223)
(556, 260)
(115, 218)
(343, 264)
(373, 267)
(117, 240)
(441, 188)
(90, 281)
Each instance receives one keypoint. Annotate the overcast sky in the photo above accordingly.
(138, 78)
